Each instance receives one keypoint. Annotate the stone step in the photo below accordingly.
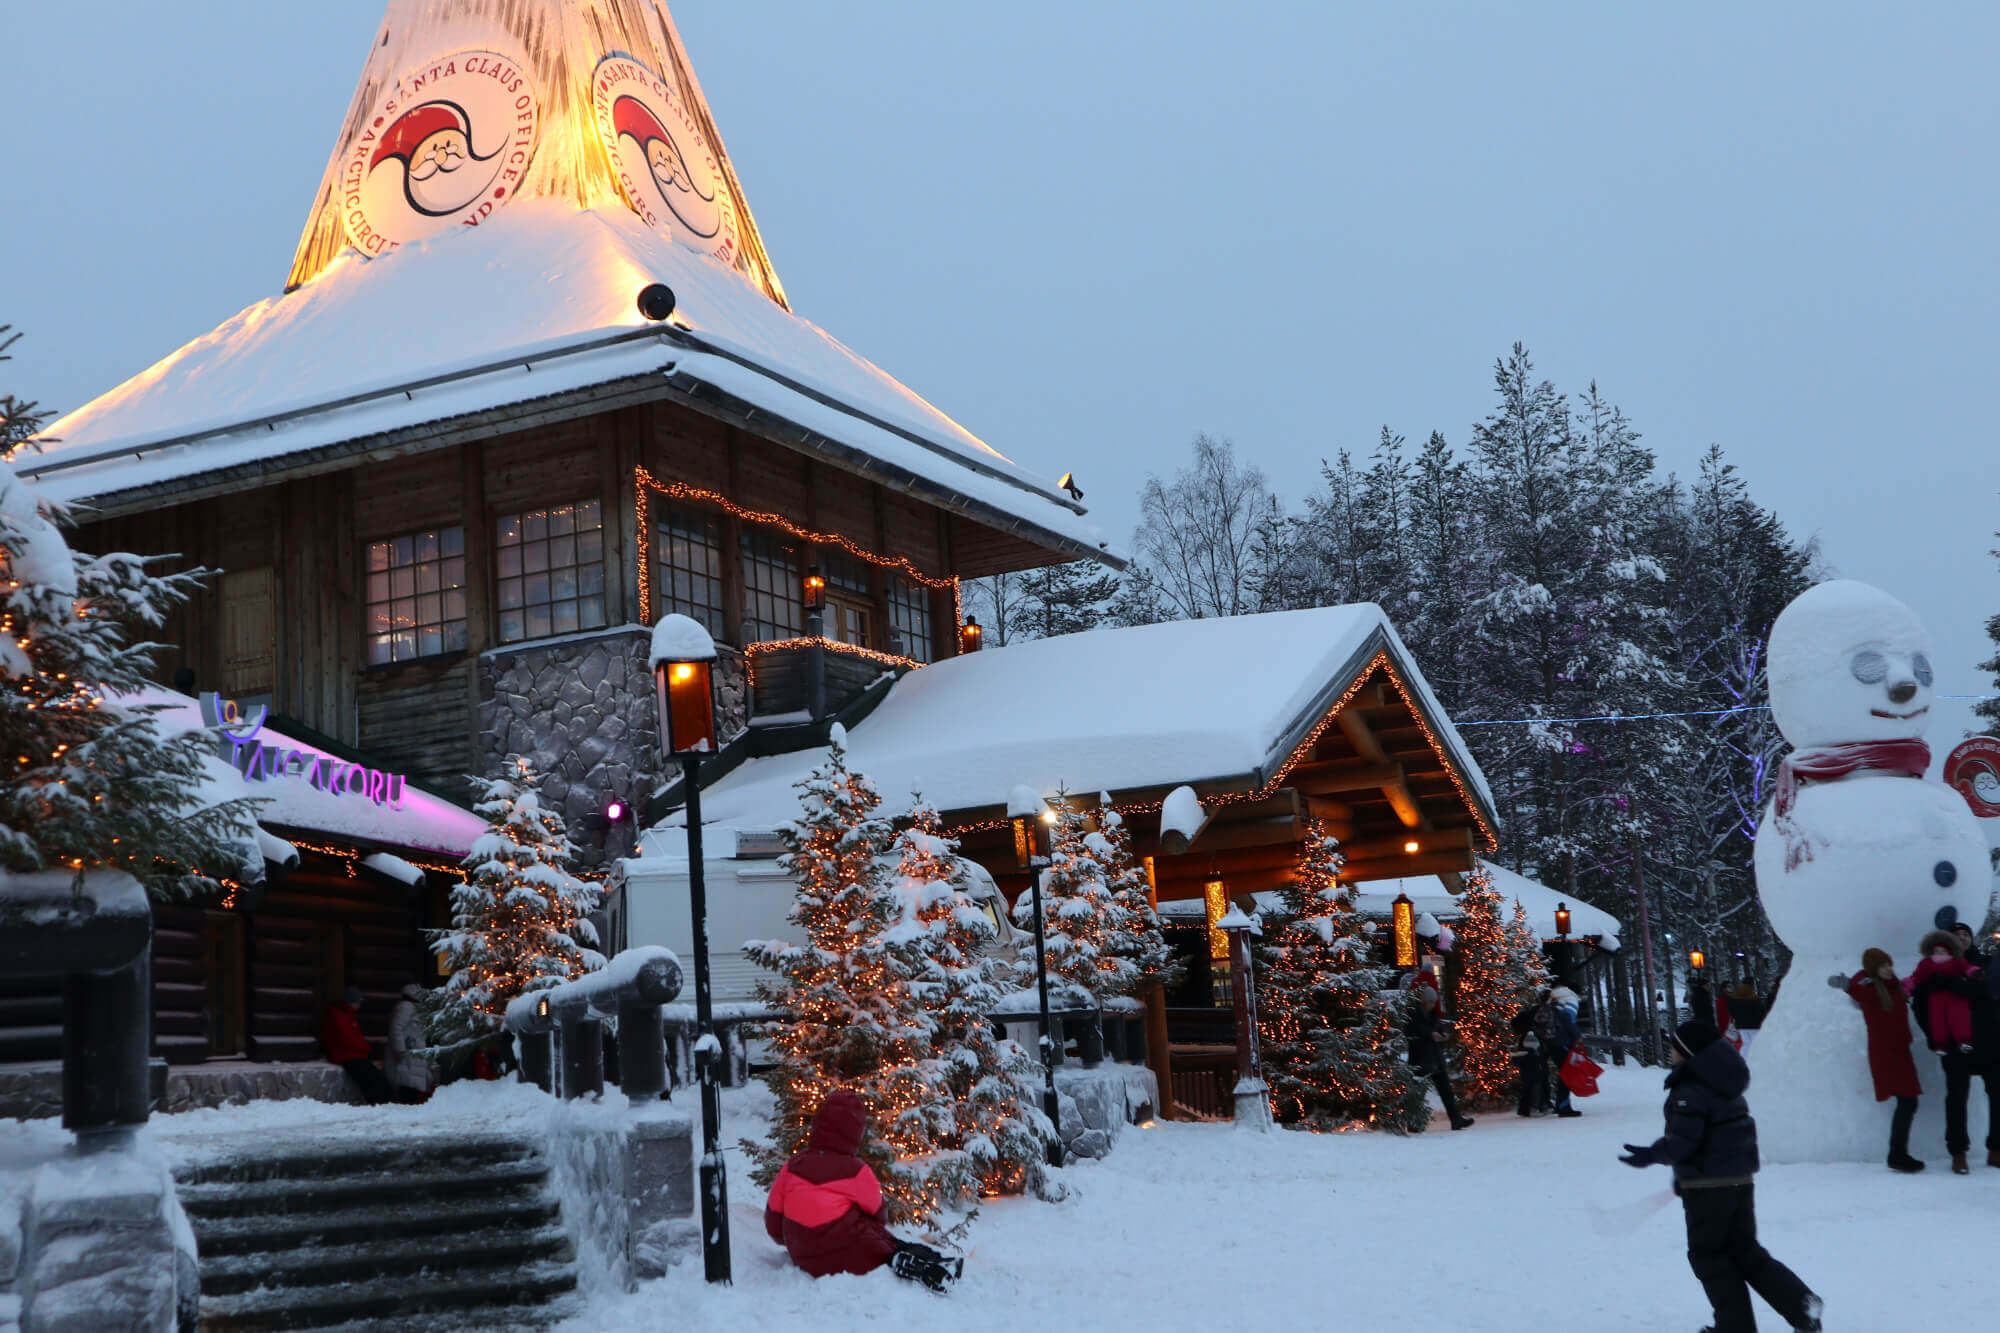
(239, 1198)
(504, 1294)
(486, 1318)
(442, 1256)
(359, 1158)
(253, 1232)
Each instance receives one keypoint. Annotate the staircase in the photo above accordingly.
(438, 1234)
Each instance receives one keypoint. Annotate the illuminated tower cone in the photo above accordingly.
(465, 106)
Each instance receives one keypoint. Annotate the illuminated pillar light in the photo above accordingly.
(1217, 903)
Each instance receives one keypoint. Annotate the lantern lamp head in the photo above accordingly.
(814, 590)
(1030, 818)
(682, 654)
(1697, 959)
(1404, 921)
(969, 635)
(1562, 920)
(1412, 846)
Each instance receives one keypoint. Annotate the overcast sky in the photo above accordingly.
(1089, 231)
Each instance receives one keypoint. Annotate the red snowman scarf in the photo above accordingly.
(1825, 763)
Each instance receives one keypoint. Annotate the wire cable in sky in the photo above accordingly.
(1648, 717)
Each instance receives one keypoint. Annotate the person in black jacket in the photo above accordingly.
(1425, 1033)
(1711, 1142)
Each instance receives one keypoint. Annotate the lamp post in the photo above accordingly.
(1030, 819)
(1562, 943)
(681, 658)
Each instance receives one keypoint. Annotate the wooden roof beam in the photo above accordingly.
(1403, 867)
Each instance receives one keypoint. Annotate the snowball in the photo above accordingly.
(1823, 644)
(1181, 813)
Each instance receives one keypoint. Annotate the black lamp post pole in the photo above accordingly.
(714, 1182)
(1050, 1108)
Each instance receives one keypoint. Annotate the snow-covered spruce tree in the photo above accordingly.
(1498, 976)
(520, 920)
(89, 780)
(1140, 941)
(987, 1085)
(1064, 599)
(849, 993)
(1329, 1017)
(1085, 925)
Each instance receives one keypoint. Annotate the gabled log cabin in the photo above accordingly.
(1272, 720)
(479, 443)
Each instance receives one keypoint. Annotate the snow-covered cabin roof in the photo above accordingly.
(532, 310)
(418, 822)
(1428, 893)
(1223, 700)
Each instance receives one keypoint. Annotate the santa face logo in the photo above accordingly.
(665, 168)
(445, 146)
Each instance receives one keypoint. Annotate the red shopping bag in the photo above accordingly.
(1579, 1073)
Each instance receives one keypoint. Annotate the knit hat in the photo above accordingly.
(1872, 959)
(353, 995)
(1695, 1036)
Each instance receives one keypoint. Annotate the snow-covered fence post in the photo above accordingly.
(1253, 1097)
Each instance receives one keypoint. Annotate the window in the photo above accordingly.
(910, 616)
(770, 587)
(551, 571)
(850, 598)
(416, 596)
(687, 566)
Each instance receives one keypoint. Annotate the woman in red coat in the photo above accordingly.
(825, 1206)
(1885, 1006)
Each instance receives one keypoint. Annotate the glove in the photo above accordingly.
(1837, 981)
(1635, 1155)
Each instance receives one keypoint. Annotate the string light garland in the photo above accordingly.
(647, 485)
(769, 646)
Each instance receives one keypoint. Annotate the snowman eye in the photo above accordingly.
(1945, 873)
(1869, 668)
(1921, 666)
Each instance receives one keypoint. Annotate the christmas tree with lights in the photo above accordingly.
(1329, 1018)
(989, 1084)
(90, 783)
(1088, 928)
(520, 920)
(1500, 972)
(851, 995)
(1141, 942)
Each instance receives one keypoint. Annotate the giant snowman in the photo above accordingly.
(1856, 850)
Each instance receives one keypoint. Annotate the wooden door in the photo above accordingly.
(223, 961)
(249, 633)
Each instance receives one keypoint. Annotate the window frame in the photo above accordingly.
(664, 602)
(787, 596)
(920, 601)
(441, 562)
(549, 570)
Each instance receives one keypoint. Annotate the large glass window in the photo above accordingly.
(687, 566)
(550, 571)
(850, 598)
(416, 596)
(910, 616)
(770, 587)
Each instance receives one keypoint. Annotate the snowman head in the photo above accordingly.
(1849, 663)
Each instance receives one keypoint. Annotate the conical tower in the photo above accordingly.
(467, 105)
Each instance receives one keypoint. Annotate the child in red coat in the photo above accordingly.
(825, 1206)
(1885, 1008)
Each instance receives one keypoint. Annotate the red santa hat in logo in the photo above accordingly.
(433, 141)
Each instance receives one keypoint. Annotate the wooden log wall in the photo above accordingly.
(421, 718)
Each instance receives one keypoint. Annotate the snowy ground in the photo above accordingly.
(1510, 1226)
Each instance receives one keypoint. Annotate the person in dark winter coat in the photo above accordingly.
(340, 1037)
(1885, 1008)
(1534, 1031)
(1425, 1033)
(1946, 993)
(825, 1206)
(1711, 1143)
(1566, 1033)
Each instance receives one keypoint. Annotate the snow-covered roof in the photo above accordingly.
(419, 822)
(1118, 709)
(1429, 894)
(374, 346)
